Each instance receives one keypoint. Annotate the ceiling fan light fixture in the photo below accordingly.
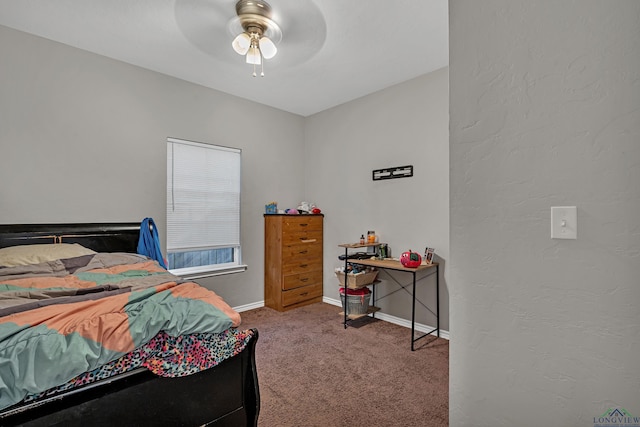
(259, 32)
(241, 43)
(268, 48)
(253, 56)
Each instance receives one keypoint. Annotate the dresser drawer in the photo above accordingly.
(293, 281)
(304, 293)
(303, 222)
(292, 237)
(301, 266)
(304, 250)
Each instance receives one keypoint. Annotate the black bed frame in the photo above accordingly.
(226, 395)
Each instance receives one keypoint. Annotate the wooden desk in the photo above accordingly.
(390, 264)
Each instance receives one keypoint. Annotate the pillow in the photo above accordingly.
(35, 254)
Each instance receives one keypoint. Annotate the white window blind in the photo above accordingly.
(203, 207)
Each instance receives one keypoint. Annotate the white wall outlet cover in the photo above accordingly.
(564, 222)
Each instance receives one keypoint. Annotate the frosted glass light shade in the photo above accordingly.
(241, 43)
(253, 56)
(268, 48)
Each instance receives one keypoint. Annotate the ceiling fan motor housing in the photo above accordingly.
(255, 16)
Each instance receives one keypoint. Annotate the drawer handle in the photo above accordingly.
(303, 265)
(303, 225)
(303, 240)
(303, 294)
(306, 279)
(303, 252)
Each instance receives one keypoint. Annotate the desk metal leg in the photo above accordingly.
(373, 291)
(346, 277)
(413, 311)
(438, 299)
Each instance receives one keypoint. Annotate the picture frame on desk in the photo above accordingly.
(428, 255)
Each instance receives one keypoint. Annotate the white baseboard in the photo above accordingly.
(395, 320)
(248, 307)
(382, 316)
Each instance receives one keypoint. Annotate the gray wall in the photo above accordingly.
(545, 111)
(83, 139)
(406, 124)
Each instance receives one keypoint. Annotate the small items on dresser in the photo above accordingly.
(271, 208)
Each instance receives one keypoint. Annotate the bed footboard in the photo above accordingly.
(226, 395)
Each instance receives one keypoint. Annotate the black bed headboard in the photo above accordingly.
(100, 237)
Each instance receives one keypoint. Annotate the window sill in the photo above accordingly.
(212, 273)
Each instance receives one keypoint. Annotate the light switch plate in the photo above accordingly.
(564, 222)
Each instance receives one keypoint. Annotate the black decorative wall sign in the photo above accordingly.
(394, 172)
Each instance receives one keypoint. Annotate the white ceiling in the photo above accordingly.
(332, 51)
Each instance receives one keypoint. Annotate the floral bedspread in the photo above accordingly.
(166, 356)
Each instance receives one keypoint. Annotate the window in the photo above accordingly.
(203, 209)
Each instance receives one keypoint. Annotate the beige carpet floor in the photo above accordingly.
(314, 372)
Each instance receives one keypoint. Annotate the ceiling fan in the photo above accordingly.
(260, 33)
(212, 25)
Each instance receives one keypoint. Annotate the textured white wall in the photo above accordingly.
(545, 111)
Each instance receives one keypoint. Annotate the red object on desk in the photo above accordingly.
(411, 259)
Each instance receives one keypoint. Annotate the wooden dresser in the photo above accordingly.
(292, 260)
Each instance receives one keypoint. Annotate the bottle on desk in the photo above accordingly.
(383, 252)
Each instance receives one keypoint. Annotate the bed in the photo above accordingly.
(190, 369)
